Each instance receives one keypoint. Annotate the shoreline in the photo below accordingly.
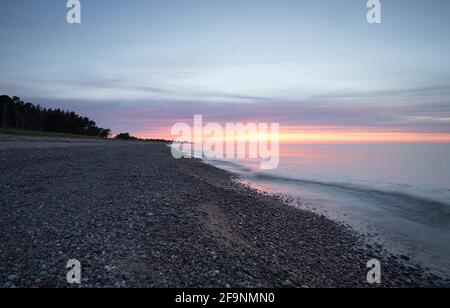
(135, 217)
(383, 217)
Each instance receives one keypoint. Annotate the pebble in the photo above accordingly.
(97, 202)
(12, 277)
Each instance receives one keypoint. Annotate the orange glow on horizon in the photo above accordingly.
(364, 137)
(324, 135)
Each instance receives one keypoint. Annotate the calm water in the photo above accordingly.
(398, 194)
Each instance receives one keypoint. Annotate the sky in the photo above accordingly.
(314, 66)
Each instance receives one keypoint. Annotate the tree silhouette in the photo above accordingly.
(14, 113)
(126, 136)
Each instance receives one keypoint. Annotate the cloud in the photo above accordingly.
(159, 116)
(415, 93)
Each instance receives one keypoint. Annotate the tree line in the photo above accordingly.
(128, 137)
(14, 113)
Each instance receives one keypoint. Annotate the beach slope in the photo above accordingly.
(135, 217)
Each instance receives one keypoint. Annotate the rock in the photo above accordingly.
(12, 277)
(205, 228)
(287, 284)
(109, 268)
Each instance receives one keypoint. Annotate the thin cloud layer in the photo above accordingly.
(143, 66)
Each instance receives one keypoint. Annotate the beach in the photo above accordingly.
(136, 217)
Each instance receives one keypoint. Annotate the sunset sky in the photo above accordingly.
(316, 67)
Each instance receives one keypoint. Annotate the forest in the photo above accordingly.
(16, 114)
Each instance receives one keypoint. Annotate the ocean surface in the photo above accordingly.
(396, 194)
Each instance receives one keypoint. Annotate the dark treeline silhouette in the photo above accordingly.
(17, 114)
(127, 136)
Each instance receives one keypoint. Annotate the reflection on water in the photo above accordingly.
(401, 193)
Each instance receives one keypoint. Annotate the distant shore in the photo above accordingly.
(135, 217)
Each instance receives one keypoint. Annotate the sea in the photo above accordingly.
(397, 195)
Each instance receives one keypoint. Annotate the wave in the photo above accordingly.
(414, 207)
(237, 167)
(344, 186)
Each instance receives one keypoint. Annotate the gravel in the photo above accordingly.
(135, 217)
